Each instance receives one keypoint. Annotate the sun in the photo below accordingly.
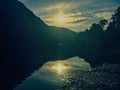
(61, 19)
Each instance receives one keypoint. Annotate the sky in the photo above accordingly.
(76, 15)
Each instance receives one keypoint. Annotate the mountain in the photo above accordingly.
(27, 43)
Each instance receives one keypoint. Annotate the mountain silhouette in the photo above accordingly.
(27, 43)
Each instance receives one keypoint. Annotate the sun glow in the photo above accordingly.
(64, 19)
(61, 19)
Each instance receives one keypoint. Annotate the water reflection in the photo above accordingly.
(60, 67)
(53, 74)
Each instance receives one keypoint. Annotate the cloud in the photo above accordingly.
(78, 11)
(78, 20)
(104, 15)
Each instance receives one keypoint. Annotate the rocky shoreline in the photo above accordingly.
(105, 77)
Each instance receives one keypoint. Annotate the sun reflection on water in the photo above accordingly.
(60, 68)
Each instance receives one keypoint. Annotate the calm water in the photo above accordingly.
(53, 74)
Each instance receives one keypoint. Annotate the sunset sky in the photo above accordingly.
(76, 15)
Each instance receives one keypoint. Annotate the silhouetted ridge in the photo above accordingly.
(27, 42)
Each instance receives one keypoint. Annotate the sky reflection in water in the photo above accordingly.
(52, 74)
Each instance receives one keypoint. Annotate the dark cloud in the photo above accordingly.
(78, 21)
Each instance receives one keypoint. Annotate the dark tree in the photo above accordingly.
(103, 22)
(91, 43)
(112, 39)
